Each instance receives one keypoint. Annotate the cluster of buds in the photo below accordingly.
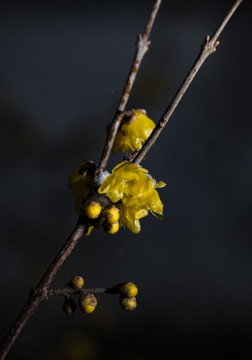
(106, 217)
(128, 292)
(87, 300)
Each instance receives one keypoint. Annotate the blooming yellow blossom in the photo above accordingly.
(80, 185)
(133, 132)
(133, 190)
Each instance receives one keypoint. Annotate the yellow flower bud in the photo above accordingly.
(69, 306)
(88, 303)
(128, 290)
(77, 282)
(128, 304)
(111, 214)
(111, 228)
(92, 209)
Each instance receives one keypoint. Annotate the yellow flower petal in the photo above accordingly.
(132, 135)
(160, 184)
(89, 230)
(131, 187)
(127, 219)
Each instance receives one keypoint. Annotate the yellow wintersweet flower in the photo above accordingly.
(133, 190)
(80, 181)
(133, 132)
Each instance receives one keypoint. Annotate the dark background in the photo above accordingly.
(63, 66)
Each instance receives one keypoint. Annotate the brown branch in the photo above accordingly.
(142, 46)
(39, 292)
(208, 47)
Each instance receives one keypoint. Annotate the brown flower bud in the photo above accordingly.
(128, 290)
(69, 306)
(111, 228)
(111, 214)
(88, 303)
(128, 304)
(77, 282)
(92, 209)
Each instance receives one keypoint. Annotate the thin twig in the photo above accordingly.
(115, 289)
(208, 47)
(142, 46)
(39, 292)
(69, 292)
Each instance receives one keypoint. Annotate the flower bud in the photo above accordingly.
(77, 282)
(88, 303)
(92, 209)
(111, 228)
(128, 290)
(128, 304)
(69, 306)
(111, 214)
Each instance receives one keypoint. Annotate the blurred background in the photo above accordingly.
(63, 66)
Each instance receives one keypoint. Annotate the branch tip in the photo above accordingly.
(142, 46)
(208, 47)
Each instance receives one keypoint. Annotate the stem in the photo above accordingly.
(39, 292)
(208, 47)
(115, 289)
(69, 292)
(142, 46)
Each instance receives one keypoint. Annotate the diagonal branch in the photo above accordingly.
(39, 292)
(208, 47)
(142, 46)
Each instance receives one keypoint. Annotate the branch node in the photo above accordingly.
(139, 38)
(207, 39)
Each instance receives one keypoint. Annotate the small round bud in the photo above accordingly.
(111, 228)
(69, 306)
(111, 214)
(92, 209)
(128, 304)
(77, 282)
(88, 303)
(128, 290)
